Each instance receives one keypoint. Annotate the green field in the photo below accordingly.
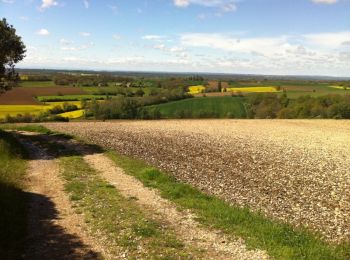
(220, 107)
(37, 84)
(70, 98)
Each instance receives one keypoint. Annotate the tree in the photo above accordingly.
(219, 86)
(12, 50)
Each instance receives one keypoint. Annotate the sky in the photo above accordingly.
(276, 37)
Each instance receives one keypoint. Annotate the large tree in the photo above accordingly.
(12, 51)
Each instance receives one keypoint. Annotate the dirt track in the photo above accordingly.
(296, 171)
(55, 231)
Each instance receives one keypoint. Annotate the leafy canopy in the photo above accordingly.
(12, 50)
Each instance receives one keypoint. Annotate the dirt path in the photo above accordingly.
(187, 229)
(55, 231)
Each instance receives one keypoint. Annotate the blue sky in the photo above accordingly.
(293, 37)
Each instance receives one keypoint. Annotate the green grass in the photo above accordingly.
(219, 107)
(13, 210)
(28, 128)
(37, 84)
(70, 98)
(118, 219)
(280, 240)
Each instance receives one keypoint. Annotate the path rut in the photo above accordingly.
(55, 231)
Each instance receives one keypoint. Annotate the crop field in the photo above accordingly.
(42, 84)
(69, 98)
(196, 89)
(73, 114)
(203, 107)
(14, 110)
(26, 96)
(340, 87)
(263, 89)
(61, 103)
(293, 171)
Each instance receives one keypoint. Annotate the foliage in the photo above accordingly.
(12, 51)
(274, 106)
(29, 118)
(132, 107)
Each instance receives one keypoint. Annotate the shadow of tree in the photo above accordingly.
(48, 240)
(39, 235)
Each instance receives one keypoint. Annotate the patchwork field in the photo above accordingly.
(294, 171)
(26, 96)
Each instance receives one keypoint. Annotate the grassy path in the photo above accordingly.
(76, 214)
(53, 230)
(187, 229)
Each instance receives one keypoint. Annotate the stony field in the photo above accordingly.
(296, 171)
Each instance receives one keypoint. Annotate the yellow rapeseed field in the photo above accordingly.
(14, 110)
(340, 87)
(73, 114)
(196, 89)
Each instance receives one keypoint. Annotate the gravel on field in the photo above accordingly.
(297, 171)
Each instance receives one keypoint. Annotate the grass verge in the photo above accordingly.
(119, 222)
(12, 199)
(280, 240)
(29, 128)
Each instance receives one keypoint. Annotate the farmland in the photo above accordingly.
(196, 89)
(156, 97)
(219, 107)
(263, 89)
(291, 171)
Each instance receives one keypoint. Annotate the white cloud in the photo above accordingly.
(65, 42)
(232, 44)
(181, 3)
(86, 4)
(85, 34)
(153, 37)
(45, 4)
(329, 2)
(324, 53)
(116, 37)
(68, 47)
(223, 5)
(328, 40)
(43, 32)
